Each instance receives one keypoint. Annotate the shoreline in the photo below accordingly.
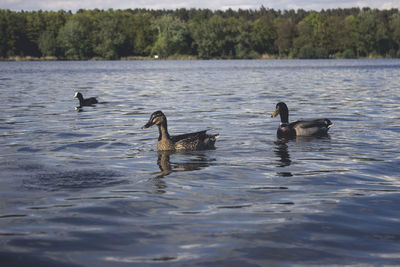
(141, 58)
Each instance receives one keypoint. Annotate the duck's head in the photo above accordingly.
(283, 110)
(78, 95)
(157, 118)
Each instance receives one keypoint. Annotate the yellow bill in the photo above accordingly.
(276, 112)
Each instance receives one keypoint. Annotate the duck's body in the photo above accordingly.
(317, 127)
(85, 101)
(184, 142)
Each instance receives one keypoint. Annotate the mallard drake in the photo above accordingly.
(85, 102)
(316, 127)
(185, 142)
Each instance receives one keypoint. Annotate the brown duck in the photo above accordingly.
(184, 142)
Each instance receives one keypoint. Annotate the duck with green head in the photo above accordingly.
(317, 127)
(184, 142)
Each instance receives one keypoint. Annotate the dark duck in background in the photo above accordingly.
(85, 102)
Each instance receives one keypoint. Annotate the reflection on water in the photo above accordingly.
(181, 162)
(306, 144)
(191, 161)
(281, 150)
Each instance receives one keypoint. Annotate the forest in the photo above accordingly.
(199, 34)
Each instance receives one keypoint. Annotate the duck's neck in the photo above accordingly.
(80, 100)
(284, 116)
(163, 131)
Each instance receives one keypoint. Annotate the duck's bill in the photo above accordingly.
(147, 125)
(276, 112)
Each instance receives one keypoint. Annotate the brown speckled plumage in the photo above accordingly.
(185, 142)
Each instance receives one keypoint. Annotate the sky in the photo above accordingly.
(74, 5)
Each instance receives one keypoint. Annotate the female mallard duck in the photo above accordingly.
(85, 102)
(316, 127)
(184, 142)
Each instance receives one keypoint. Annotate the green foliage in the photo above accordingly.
(367, 29)
(172, 36)
(142, 34)
(74, 39)
(306, 52)
(263, 36)
(108, 35)
(216, 37)
(285, 29)
(47, 43)
(312, 53)
(3, 34)
(202, 33)
(246, 41)
(395, 28)
(348, 53)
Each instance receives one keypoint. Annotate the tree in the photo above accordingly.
(113, 34)
(383, 38)
(108, 36)
(74, 38)
(310, 31)
(305, 36)
(47, 43)
(367, 30)
(286, 31)
(34, 27)
(3, 33)
(245, 43)
(14, 34)
(395, 28)
(143, 34)
(351, 36)
(172, 36)
(264, 35)
(333, 34)
(215, 37)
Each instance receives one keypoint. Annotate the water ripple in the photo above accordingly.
(89, 188)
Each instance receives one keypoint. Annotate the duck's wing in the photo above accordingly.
(92, 100)
(313, 123)
(194, 141)
(189, 136)
(311, 127)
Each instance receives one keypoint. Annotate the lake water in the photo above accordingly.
(89, 188)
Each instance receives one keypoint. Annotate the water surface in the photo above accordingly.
(89, 188)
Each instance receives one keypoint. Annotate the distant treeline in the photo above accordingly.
(200, 33)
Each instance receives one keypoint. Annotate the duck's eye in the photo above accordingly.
(155, 118)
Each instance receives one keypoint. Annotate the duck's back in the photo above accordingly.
(91, 101)
(194, 141)
(312, 127)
